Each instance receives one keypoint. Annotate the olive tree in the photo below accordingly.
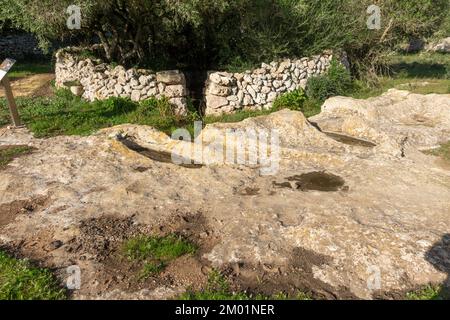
(205, 34)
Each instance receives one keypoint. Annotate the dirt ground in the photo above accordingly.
(32, 86)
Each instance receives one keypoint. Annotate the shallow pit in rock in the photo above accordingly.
(157, 155)
(282, 185)
(248, 191)
(318, 181)
(352, 141)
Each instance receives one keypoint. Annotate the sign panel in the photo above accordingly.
(5, 67)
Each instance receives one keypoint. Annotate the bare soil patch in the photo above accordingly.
(290, 279)
(102, 239)
(36, 85)
(10, 211)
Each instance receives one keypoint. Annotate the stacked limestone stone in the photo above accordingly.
(100, 81)
(257, 89)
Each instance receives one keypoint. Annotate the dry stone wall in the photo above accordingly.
(258, 89)
(93, 79)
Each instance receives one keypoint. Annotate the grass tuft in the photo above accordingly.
(429, 292)
(21, 281)
(443, 151)
(156, 252)
(7, 154)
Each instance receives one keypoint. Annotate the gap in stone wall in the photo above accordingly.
(195, 84)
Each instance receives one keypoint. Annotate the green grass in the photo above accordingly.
(151, 269)
(429, 293)
(66, 114)
(443, 151)
(21, 281)
(156, 252)
(421, 65)
(218, 288)
(9, 153)
(422, 73)
(25, 69)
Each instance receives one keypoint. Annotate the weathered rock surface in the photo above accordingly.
(442, 46)
(398, 116)
(391, 214)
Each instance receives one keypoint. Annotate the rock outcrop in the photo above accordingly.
(366, 216)
(442, 46)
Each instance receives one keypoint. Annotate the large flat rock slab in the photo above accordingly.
(333, 216)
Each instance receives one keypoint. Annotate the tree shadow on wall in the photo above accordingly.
(439, 257)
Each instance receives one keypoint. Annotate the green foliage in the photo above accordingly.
(66, 114)
(422, 73)
(9, 153)
(151, 269)
(337, 81)
(238, 116)
(204, 34)
(293, 100)
(443, 151)
(423, 65)
(21, 281)
(156, 252)
(298, 101)
(429, 293)
(25, 69)
(164, 248)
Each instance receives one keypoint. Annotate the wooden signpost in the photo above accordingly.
(4, 68)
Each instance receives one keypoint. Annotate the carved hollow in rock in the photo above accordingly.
(282, 185)
(318, 181)
(352, 141)
(157, 155)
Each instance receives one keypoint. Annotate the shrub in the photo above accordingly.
(292, 100)
(336, 81)
(204, 34)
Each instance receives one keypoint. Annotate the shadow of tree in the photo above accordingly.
(419, 70)
(439, 257)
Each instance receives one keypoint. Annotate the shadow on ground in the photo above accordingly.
(420, 70)
(439, 257)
